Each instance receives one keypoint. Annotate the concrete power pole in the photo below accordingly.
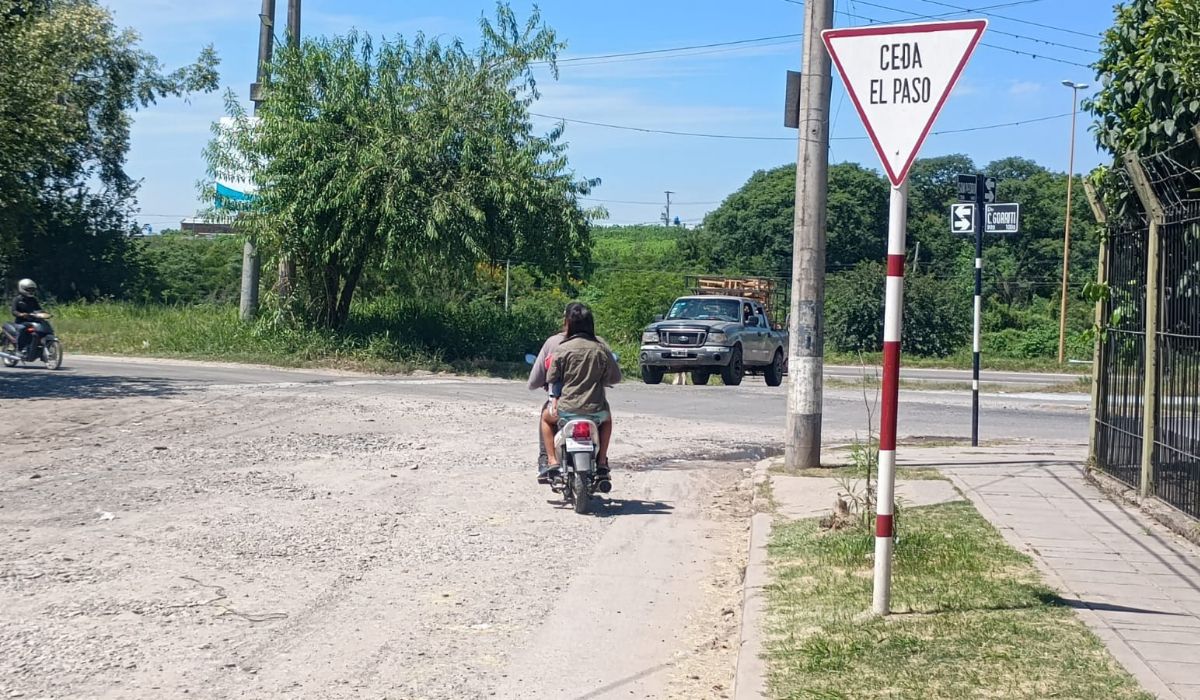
(806, 351)
(667, 215)
(287, 266)
(250, 262)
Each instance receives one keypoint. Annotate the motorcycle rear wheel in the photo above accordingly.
(52, 354)
(582, 500)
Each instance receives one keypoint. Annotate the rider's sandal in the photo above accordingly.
(548, 473)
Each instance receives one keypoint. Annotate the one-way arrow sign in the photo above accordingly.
(899, 76)
(962, 218)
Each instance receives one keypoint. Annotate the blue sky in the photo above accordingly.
(728, 90)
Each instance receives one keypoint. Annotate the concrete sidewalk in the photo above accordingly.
(1134, 583)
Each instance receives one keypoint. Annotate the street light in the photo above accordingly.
(1066, 275)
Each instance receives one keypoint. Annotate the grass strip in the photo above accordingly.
(973, 619)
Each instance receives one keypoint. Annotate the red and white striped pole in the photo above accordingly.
(893, 316)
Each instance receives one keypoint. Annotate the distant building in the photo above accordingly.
(200, 227)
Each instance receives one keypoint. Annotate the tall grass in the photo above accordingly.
(382, 334)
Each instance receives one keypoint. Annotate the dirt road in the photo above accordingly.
(351, 538)
(183, 530)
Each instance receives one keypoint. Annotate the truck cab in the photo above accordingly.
(707, 334)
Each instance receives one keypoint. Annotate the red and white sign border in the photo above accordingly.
(978, 25)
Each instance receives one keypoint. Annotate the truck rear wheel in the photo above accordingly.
(732, 373)
(652, 375)
(773, 374)
(700, 378)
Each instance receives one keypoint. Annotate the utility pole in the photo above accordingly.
(667, 215)
(507, 279)
(1066, 276)
(250, 262)
(293, 22)
(287, 266)
(806, 326)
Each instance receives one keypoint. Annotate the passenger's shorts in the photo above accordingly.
(597, 418)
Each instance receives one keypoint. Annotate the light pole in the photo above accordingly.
(1066, 275)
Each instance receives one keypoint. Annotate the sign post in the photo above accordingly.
(982, 195)
(977, 214)
(899, 77)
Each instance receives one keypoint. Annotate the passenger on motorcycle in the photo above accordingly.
(537, 381)
(584, 365)
(25, 308)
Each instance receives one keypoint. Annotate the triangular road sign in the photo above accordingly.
(899, 76)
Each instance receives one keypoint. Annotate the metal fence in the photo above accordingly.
(1152, 269)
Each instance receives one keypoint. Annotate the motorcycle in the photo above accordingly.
(41, 345)
(577, 444)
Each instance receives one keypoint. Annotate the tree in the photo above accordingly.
(69, 80)
(407, 155)
(752, 229)
(1149, 70)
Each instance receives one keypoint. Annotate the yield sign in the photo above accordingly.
(899, 76)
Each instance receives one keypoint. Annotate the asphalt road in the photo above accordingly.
(923, 414)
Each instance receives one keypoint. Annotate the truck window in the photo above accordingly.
(705, 310)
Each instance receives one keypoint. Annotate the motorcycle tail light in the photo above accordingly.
(30, 329)
(581, 431)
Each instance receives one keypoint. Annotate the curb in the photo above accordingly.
(1116, 645)
(750, 678)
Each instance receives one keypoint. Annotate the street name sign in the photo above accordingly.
(989, 190)
(968, 188)
(899, 77)
(1002, 218)
(962, 218)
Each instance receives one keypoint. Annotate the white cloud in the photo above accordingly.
(1024, 87)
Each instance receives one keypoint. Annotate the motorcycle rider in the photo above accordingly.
(25, 308)
(584, 365)
(537, 380)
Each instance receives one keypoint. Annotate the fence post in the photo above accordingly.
(1098, 346)
(1141, 184)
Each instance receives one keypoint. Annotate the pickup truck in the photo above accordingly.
(707, 334)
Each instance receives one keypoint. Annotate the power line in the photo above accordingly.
(917, 15)
(625, 201)
(1011, 19)
(991, 30)
(738, 137)
(1009, 49)
(655, 52)
(668, 132)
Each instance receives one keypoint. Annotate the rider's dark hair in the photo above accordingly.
(570, 307)
(580, 322)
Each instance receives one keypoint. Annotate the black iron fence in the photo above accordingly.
(1152, 269)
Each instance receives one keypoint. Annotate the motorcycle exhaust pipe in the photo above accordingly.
(10, 356)
(604, 485)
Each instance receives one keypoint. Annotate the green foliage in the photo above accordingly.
(1032, 332)
(186, 270)
(937, 315)
(69, 81)
(409, 155)
(638, 274)
(1149, 69)
(936, 312)
(751, 232)
(854, 308)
